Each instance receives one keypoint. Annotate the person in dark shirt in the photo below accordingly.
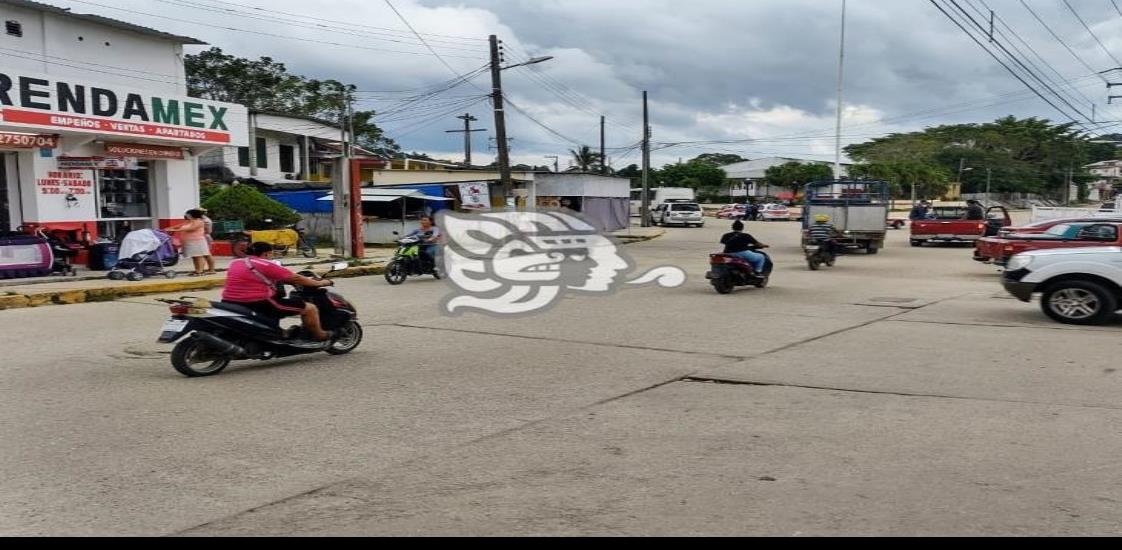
(920, 211)
(974, 211)
(739, 243)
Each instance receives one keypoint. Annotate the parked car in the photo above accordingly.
(679, 213)
(998, 250)
(775, 212)
(951, 226)
(1045, 225)
(1078, 286)
(896, 223)
(732, 212)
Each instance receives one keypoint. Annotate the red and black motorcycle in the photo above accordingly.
(729, 271)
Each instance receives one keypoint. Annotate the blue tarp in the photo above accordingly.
(304, 202)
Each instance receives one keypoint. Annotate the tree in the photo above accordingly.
(719, 159)
(1023, 155)
(795, 175)
(246, 204)
(586, 159)
(266, 85)
(705, 178)
(929, 181)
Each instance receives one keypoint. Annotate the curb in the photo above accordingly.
(94, 295)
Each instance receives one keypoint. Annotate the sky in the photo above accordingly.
(761, 74)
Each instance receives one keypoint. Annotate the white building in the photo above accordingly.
(1109, 174)
(747, 178)
(287, 149)
(97, 135)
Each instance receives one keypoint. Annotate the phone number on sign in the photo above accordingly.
(26, 141)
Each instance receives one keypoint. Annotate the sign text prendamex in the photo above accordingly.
(44, 101)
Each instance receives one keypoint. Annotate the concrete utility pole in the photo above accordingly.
(989, 181)
(252, 144)
(841, 98)
(467, 131)
(342, 216)
(645, 212)
(506, 182)
(603, 146)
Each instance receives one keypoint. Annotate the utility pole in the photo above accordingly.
(989, 180)
(506, 183)
(645, 212)
(467, 131)
(841, 98)
(603, 147)
(343, 204)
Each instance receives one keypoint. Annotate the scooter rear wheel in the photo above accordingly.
(193, 360)
(723, 286)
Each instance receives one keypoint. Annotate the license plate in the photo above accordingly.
(174, 326)
(946, 237)
(812, 249)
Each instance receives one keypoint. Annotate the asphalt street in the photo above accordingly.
(897, 394)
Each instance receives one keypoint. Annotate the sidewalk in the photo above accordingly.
(96, 287)
(91, 286)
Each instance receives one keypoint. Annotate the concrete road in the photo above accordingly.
(895, 394)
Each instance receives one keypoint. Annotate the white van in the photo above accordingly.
(660, 196)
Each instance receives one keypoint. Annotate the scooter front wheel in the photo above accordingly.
(347, 339)
(193, 360)
(396, 273)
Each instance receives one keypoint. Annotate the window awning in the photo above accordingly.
(391, 195)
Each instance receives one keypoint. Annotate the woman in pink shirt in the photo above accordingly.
(251, 282)
(195, 244)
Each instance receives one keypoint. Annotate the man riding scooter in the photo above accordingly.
(824, 235)
(739, 243)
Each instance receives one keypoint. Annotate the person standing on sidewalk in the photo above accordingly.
(195, 244)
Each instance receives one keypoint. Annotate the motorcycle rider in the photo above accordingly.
(251, 283)
(824, 234)
(739, 243)
(430, 236)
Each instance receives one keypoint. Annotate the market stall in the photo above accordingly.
(386, 211)
(604, 201)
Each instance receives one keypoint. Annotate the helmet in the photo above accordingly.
(822, 218)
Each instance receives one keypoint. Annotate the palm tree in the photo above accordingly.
(586, 159)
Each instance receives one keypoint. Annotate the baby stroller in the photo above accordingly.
(145, 253)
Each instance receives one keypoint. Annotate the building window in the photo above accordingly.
(287, 159)
(262, 153)
(243, 157)
(14, 28)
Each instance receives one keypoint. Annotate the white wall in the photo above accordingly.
(130, 59)
(581, 185)
(228, 157)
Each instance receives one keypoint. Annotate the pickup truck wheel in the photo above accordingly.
(872, 250)
(1079, 303)
(917, 243)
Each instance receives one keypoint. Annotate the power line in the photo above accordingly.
(1093, 35)
(1061, 40)
(542, 124)
(438, 56)
(259, 33)
(1000, 62)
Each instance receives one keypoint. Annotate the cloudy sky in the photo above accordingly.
(717, 70)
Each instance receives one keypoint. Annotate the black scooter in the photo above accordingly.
(728, 271)
(212, 335)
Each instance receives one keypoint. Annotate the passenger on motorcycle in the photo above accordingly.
(823, 233)
(430, 236)
(252, 281)
(739, 243)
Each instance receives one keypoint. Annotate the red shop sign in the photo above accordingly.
(28, 141)
(144, 151)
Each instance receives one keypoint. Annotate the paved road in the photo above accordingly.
(896, 394)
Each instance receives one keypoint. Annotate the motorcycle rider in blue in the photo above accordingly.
(739, 243)
(430, 236)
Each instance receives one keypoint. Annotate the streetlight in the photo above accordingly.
(506, 181)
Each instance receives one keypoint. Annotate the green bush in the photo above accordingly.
(244, 203)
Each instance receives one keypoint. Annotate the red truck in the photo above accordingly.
(998, 250)
(949, 225)
(1042, 226)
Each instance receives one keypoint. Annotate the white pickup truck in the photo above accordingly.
(1079, 286)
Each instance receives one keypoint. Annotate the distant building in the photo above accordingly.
(1109, 174)
(746, 179)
